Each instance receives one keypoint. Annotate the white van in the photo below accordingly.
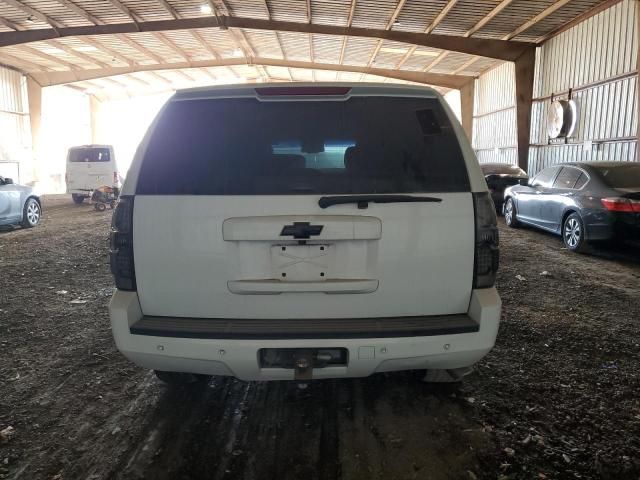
(299, 231)
(90, 167)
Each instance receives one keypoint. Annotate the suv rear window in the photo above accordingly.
(77, 155)
(247, 147)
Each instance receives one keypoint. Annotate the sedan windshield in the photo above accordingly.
(620, 176)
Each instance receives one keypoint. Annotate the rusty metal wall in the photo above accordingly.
(15, 130)
(494, 116)
(597, 60)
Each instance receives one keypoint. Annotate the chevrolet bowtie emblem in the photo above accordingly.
(301, 230)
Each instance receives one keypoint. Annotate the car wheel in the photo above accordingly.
(573, 233)
(100, 207)
(179, 378)
(31, 213)
(510, 214)
(77, 199)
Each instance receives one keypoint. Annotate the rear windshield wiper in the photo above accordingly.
(363, 200)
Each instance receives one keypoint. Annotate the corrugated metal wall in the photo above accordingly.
(597, 59)
(15, 130)
(494, 117)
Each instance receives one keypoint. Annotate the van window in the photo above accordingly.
(78, 155)
(244, 146)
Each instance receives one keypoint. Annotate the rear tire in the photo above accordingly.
(510, 214)
(77, 199)
(179, 378)
(31, 213)
(573, 233)
(100, 207)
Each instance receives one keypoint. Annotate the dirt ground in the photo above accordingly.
(557, 398)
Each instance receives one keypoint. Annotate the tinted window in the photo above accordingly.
(620, 176)
(89, 155)
(581, 182)
(361, 145)
(567, 178)
(503, 170)
(545, 177)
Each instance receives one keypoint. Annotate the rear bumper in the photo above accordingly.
(367, 354)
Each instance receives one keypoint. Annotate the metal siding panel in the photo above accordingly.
(15, 140)
(602, 47)
(494, 136)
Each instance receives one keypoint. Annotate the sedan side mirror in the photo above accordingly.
(8, 181)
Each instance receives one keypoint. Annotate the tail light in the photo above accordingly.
(620, 204)
(121, 245)
(487, 253)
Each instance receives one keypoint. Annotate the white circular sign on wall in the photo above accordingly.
(562, 118)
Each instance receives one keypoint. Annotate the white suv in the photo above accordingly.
(298, 231)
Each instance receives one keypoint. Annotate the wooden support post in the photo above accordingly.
(638, 90)
(94, 109)
(34, 98)
(525, 70)
(467, 96)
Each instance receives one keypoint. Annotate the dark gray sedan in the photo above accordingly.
(19, 205)
(583, 202)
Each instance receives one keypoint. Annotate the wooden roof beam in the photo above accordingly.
(541, 16)
(394, 16)
(498, 49)
(171, 45)
(352, 12)
(490, 16)
(50, 58)
(579, 19)
(443, 13)
(8, 23)
(81, 12)
(465, 65)
(140, 48)
(21, 64)
(75, 53)
(96, 44)
(486, 19)
(194, 34)
(436, 21)
(448, 81)
(444, 54)
(35, 13)
(129, 13)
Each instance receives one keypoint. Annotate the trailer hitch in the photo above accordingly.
(303, 365)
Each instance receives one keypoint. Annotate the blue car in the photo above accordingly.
(19, 205)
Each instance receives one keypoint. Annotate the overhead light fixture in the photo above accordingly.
(206, 9)
(237, 53)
